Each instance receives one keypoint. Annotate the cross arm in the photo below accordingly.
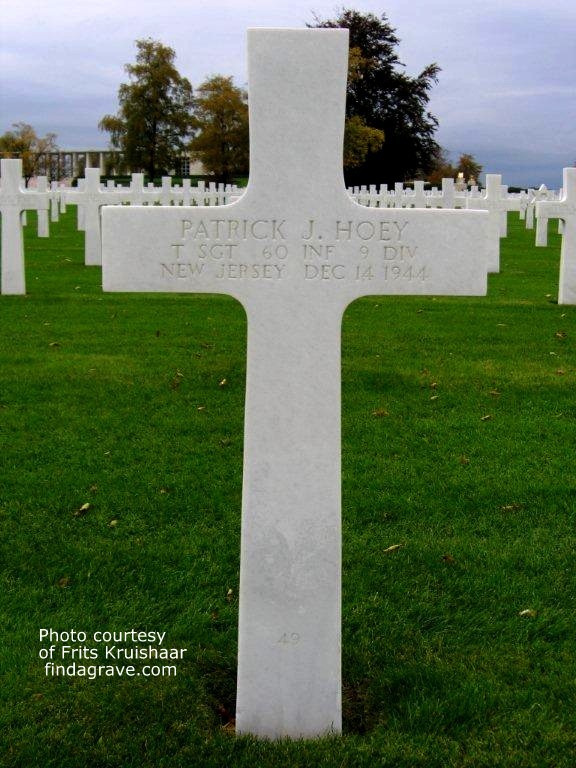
(25, 201)
(552, 209)
(412, 252)
(351, 252)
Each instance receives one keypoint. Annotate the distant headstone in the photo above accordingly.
(43, 224)
(565, 210)
(138, 195)
(493, 203)
(13, 201)
(185, 196)
(448, 193)
(199, 193)
(80, 207)
(418, 198)
(295, 250)
(534, 196)
(505, 208)
(518, 202)
(166, 191)
(54, 201)
(542, 220)
(399, 198)
(90, 197)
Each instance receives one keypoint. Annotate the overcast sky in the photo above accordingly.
(507, 90)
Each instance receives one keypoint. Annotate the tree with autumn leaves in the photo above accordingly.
(389, 132)
(221, 122)
(23, 142)
(154, 122)
(159, 119)
(442, 168)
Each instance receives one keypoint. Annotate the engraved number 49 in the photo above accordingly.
(289, 638)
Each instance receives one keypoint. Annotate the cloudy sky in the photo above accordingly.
(507, 90)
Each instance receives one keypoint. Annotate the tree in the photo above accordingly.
(154, 121)
(33, 150)
(387, 99)
(469, 167)
(443, 168)
(221, 118)
(359, 141)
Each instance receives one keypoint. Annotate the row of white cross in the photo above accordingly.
(449, 196)
(415, 196)
(90, 196)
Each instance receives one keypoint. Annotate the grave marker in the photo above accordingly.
(43, 225)
(295, 250)
(399, 195)
(564, 209)
(507, 206)
(54, 201)
(91, 198)
(166, 191)
(185, 195)
(142, 196)
(448, 193)
(80, 212)
(542, 221)
(534, 196)
(493, 203)
(13, 201)
(418, 199)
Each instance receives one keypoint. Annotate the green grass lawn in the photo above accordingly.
(459, 430)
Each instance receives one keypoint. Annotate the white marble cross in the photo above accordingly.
(91, 198)
(185, 193)
(13, 201)
(542, 220)
(54, 201)
(399, 195)
(534, 196)
(523, 204)
(43, 224)
(507, 205)
(564, 209)
(448, 193)
(518, 202)
(139, 195)
(166, 192)
(198, 194)
(418, 197)
(493, 203)
(295, 250)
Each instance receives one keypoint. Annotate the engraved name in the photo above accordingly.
(370, 230)
(359, 250)
(233, 229)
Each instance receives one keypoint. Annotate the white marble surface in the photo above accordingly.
(295, 251)
(90, 198)
(43, 224)
(492, 202)
(14, 200)
(565, 210)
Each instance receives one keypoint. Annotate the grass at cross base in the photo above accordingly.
(459, 428)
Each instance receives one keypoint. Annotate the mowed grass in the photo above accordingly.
(459, 429)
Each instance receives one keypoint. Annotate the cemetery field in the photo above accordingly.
(121, 419)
